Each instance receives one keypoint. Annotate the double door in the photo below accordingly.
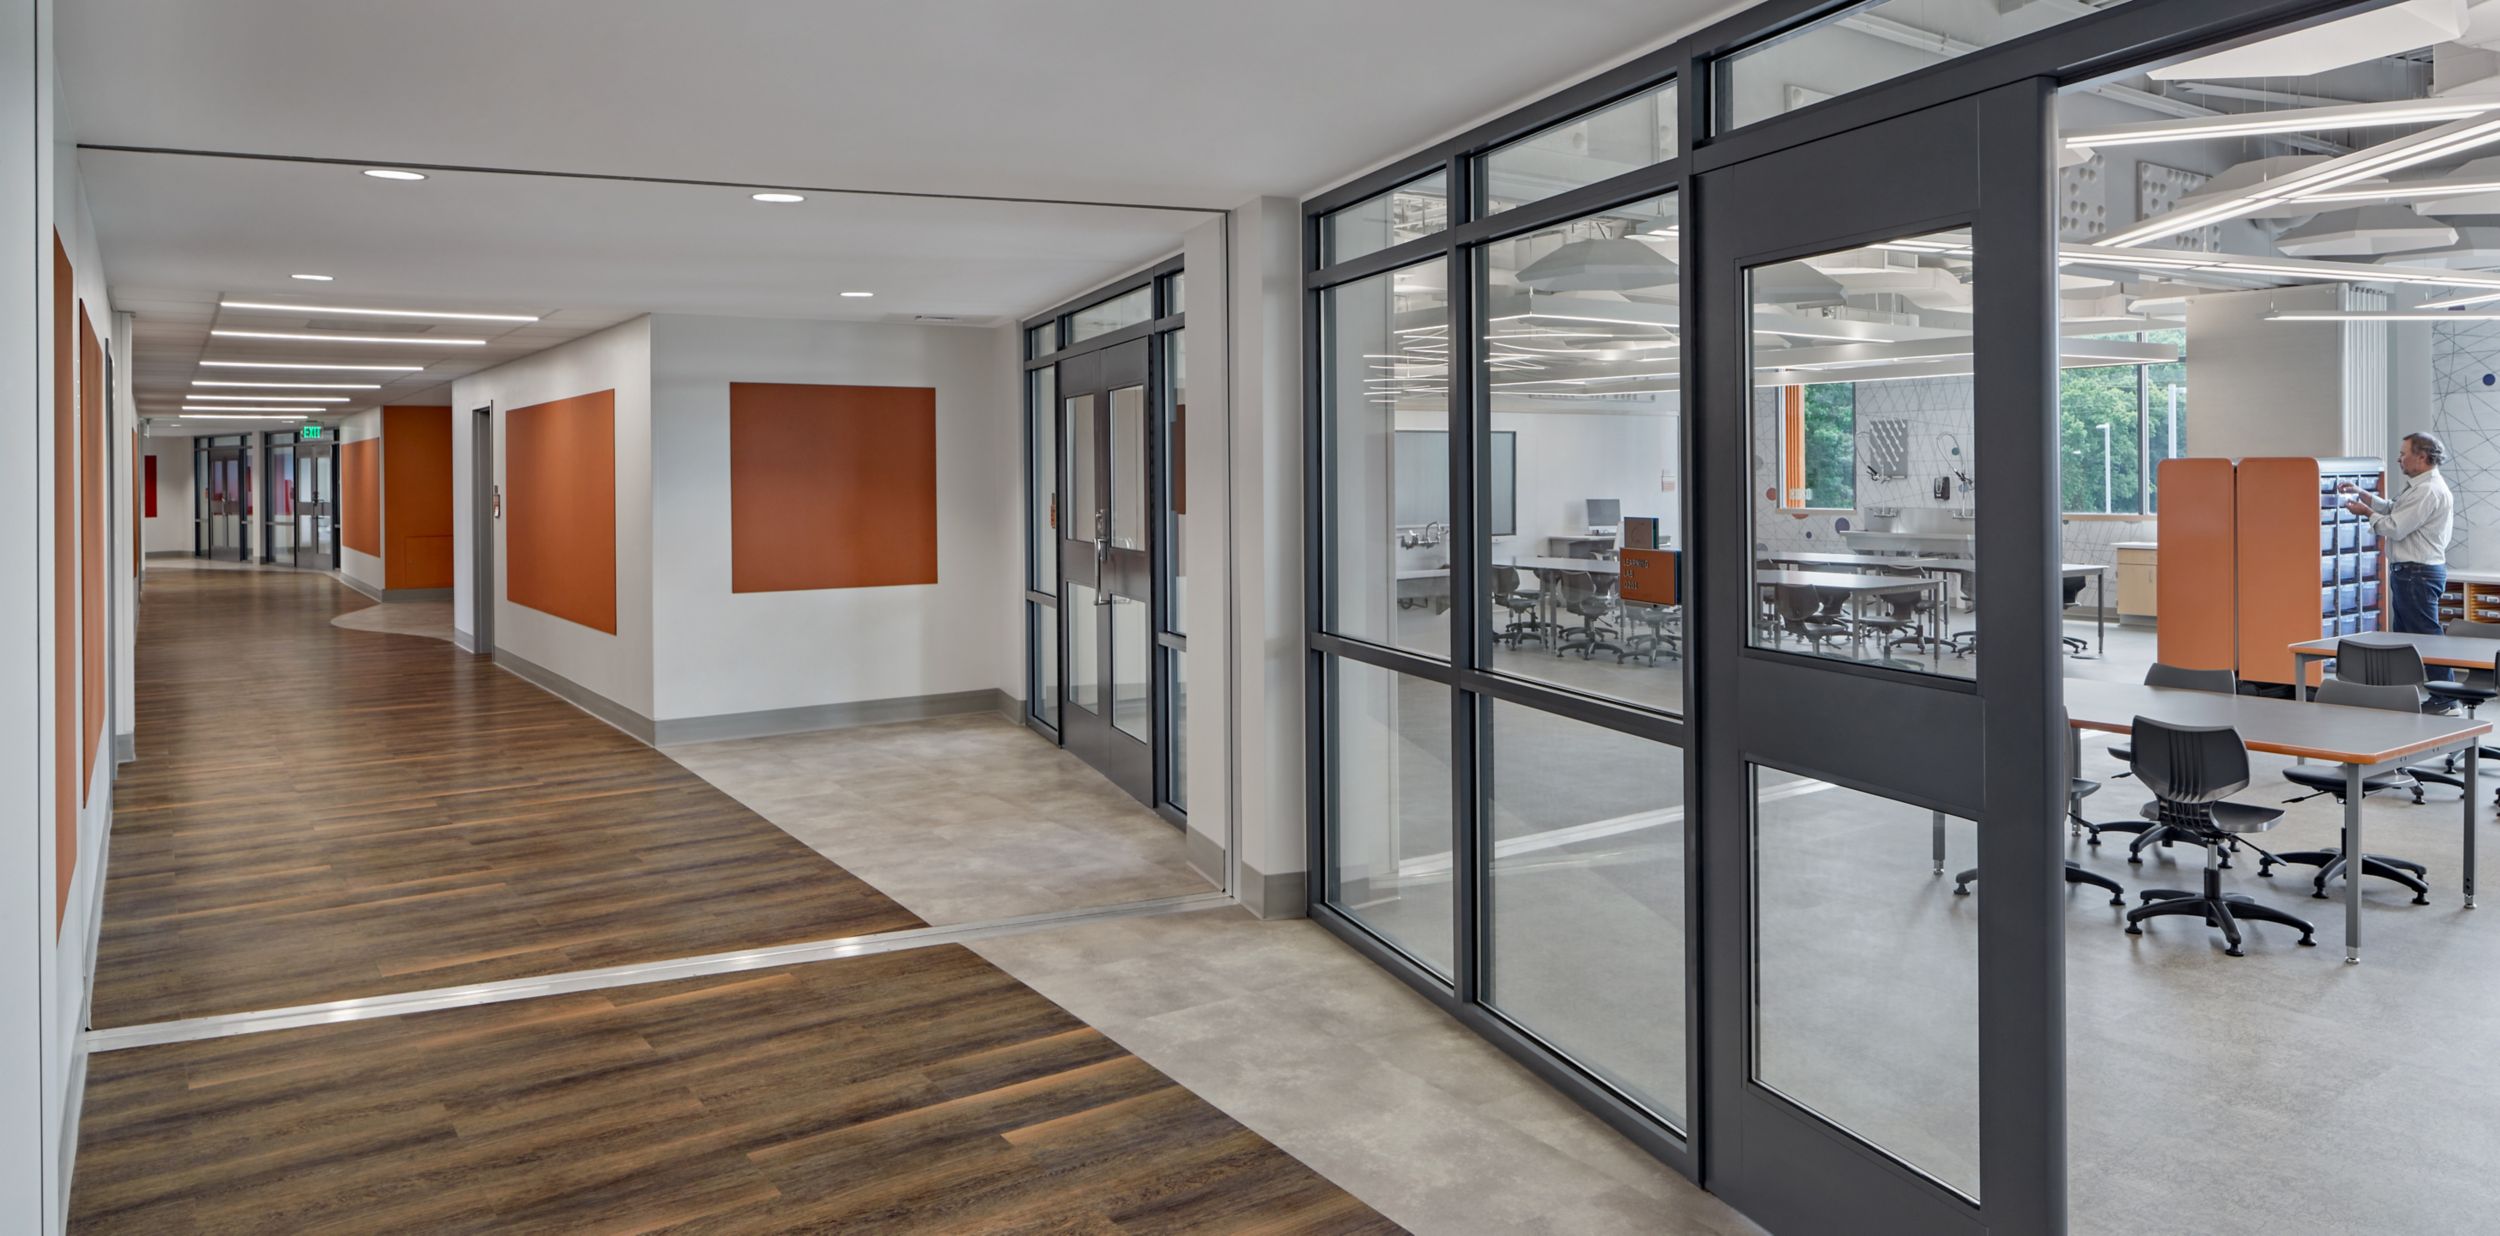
(225, 502)
(1106, 563)
(314, 517)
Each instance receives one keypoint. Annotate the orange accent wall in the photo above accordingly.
(2200, 553)
(416, 497)
(559, 508)
(1792, 445)
(64, 581)
(831, 486)
(93, 551)
(360, 496)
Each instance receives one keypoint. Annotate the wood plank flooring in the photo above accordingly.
(909, 1092)
(318, 814)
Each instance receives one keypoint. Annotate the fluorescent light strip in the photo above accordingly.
(2404, 152)
(227, 364)
(2290, 120)
(2380, 315)
(238, 414)
(350, 311)
(259, 398)
(418, 339)
(1573, 317)
(2404, 191)
(2455, 302)
(295, 386)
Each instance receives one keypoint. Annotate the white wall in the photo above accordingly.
(1266, 501)
(617, 667)
(176, 523)
(362, 567)
(720, 652)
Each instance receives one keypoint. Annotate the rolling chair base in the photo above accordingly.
(2226, 911)
(2330, 864)
(2074, 875)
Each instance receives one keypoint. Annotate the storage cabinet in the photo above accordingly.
(2262, 556)
(2139, 580)
(2471, 596)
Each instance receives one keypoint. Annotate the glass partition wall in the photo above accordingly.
(1643, 742)
(1106, 504)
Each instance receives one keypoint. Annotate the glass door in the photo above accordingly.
(1880, 1056)
(278, 505)
(1107, 596)
(316, 501)
(227, 480)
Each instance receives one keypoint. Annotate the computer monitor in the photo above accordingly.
(1605, 512)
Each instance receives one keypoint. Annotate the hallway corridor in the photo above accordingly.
(320, 813)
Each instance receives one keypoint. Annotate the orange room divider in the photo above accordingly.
(559, 509)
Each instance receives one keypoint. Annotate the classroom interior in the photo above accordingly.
(2310, 331)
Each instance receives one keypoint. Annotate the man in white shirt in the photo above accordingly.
(2414, 530)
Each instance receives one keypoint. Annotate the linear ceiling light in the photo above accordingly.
(227, 364)
(2287, 120)
(858, 295)
(2279, 268)
(2379, 315)
(2407, 190)
(2429, 145)
(294, 386)
(190, 413)
(378, 313)
(257, 397)
(422, 339)
(393, 173)
(312, 278)
(777, 197)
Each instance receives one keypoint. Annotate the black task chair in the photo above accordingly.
(2192, 771)
(1912, 610)
(1522, 604)
(2479, 687)
(1801, 617)
(1657, 630)
(2393, 665)
(2073, 591)
(2077, 789)
(2217, 681)
(1576, 592)
(2324, 779)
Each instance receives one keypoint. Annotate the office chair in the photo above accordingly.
(2217, 681)
(1575, 592)
(1661, 631)
(2395, 665)
(1800, 615)
(2478, 687)
(1521, 602)
(2077, 789)
(2324, 779)
(1911, 609)
(2191, 771)
(2073, 592)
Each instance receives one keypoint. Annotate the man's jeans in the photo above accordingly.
(2416, 602)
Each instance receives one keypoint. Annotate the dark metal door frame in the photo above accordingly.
(1088, 559)
(484, 511)
(1982, 750)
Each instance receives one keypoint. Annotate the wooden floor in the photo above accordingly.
(319, 813)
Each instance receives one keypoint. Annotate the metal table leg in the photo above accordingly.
(1939, 817)
(2353, 850)
(2473, 757)
(2100, 615)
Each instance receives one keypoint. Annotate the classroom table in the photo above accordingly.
(1960, 566)
(2360, 739)
(2453, 651)
(1859, 587)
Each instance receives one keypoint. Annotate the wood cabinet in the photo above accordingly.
(2139, 581)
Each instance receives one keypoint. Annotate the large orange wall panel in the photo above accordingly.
(64, 582)
(360, 497)
(559, 509)
(93, 551)
(831, 486)
(2200, 553)
(416, 497)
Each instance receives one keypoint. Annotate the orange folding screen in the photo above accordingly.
(560, 509)
(831, 486)
(416, 497)
(92, 550)
(64, 582)
(2198, 590)
(360, 496)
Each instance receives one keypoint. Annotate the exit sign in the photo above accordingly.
(309, 433)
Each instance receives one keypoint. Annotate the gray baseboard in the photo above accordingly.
(1283, 895)
(769, 722)
(125, 748)
(1011, 708)
(387, 595)
(462, 640)
(170, 553)
(633, 723)
(1204, 854)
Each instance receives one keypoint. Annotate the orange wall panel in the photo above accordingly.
(64, 581)
(360, 496)
(416, 497)
(560, 509)
(93, 549)
(2199, 555)
(831, 486)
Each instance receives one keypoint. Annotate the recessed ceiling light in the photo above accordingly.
(227, 364)
(311, 278)
(295, 386)
(392, 173)
(420, 339)
(778, 197)
(378, 313)
(261, 398)
(859, 295)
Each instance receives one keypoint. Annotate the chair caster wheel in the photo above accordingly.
(1961, 890)
(2137, 859)
(2306, 942)
(2134, 930)
(2117, 899)
(2320, 896)
(2421, 900)
(2096, 839)
(2232, 952)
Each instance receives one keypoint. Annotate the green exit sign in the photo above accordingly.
(309, 433)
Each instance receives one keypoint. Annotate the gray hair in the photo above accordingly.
(2431, 447)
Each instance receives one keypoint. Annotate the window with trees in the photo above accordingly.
(1831, 438)
(2116, 424)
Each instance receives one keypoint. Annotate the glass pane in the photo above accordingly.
(1082, 520)
(1420, 207)
(1042, 478)
(1579, 357)
(2099, 410)
(1045, 684)
(1389, 817)
(1587, 899)
(1176, 478)
(1869, 44)
(1621, 137)
(1177, 748)
(1175, 293)
(1385, 393)
(1040, 341)
(1132, 669)
(1084, 648)
(1885, 581)
(1122, 311)
(1128, 467)
(2165, 411)
(1874, 1028)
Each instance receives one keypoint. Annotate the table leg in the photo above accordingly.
(2352, 864)
(1857, 625)
(2473, 757)
(2100, 615)
(1939, 845)
(2301, 662)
